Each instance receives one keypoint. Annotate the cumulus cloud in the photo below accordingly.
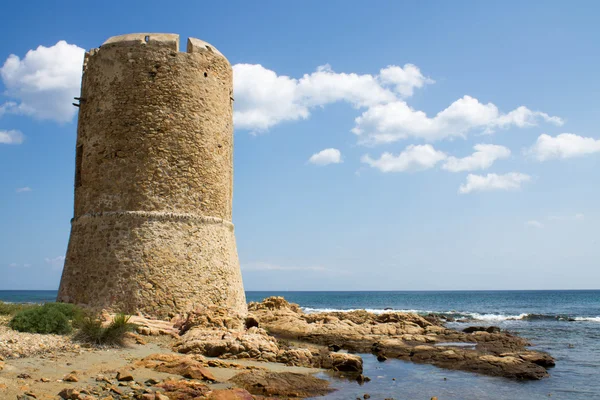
(23, 189)
(393, 121)
(262, 266)
(55, 262)
(326, 157)
(490, 182)
(44, 82)
(11, 137)
(413, 158)
(264, 99)
(404, 80)
(484, 156)
(565, 145)
(534, 224)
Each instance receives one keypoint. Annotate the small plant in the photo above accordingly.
(91, 330)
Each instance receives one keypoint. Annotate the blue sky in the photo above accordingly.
(356, 166)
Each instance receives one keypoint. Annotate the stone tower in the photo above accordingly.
(152, 227)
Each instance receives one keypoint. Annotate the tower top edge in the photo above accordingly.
(168, 40)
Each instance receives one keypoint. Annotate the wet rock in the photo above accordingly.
(488, 329)
(541, 359)
(346, 362)
(281, 384)
(366, 396)
(381, 358)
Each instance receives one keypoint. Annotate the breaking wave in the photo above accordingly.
(460, 316)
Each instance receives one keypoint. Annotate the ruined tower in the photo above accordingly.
(152, 227)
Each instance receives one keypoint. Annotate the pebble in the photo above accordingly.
(71, 378)
(124, 376)
(15, 344)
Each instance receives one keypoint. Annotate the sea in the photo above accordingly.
(565, 324)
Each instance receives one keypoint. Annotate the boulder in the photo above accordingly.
(281, 384)
(183, 389)
(346, 362)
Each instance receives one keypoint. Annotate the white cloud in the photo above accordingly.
(393, 121)
(264, 99)
(413, 158)
(576, 217)
(23, 189)
(534, 224)
(405, 80)
(489, 182)
(15, 265)
(44, 82)
(565, 145)
(56, 262)
(326, 157)
(484, 156)
(262, 266)
(325, 86)
(11, 137)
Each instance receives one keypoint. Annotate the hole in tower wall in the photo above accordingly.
(78, 162)
(205, 74)
(146, 38)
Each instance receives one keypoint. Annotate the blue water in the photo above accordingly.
(564, 323)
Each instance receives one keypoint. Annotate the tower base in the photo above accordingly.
(156, 263)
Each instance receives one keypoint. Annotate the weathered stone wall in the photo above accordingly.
(154, 179)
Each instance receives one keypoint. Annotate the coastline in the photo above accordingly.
(572, 343)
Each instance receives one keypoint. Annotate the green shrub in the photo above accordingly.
(47, 318)
(41, 320)
(14, 308)
(71, 311)
(91, 330)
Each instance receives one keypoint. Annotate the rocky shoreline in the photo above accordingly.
(271, 353)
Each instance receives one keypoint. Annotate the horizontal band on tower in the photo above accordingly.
(156, 216)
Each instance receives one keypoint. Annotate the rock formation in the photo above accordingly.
(405, 336)
(152, 227)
